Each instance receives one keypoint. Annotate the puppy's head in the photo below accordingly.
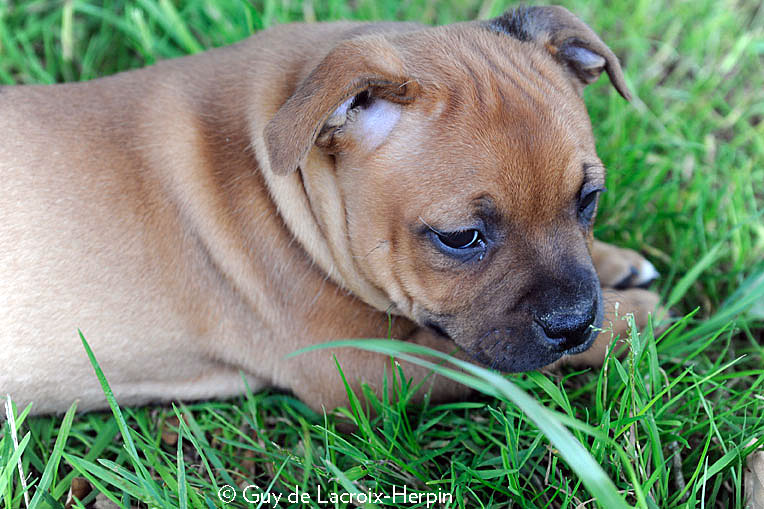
(465, 162)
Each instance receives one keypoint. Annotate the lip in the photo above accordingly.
(537, 350)
(436, 328)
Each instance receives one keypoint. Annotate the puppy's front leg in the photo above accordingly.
(319, 383)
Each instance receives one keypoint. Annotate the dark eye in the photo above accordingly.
(588, 204)
(464, 245)
(465, 239)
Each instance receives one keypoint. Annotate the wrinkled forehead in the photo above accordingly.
(503, 115)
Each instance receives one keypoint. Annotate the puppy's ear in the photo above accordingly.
(351, 78)
(570, 41)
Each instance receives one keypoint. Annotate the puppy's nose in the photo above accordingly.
(568, 328)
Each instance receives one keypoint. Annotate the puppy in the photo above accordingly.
(210, 215)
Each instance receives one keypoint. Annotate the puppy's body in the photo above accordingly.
(151, 209)
(133, 208)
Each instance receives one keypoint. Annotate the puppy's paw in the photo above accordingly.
(621, 268)
(634, 301)
(618, 304)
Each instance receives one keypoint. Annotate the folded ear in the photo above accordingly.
(350, 77)
(570, 41)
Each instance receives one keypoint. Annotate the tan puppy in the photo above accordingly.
(215, 213)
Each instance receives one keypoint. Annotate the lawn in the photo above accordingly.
(670, 426)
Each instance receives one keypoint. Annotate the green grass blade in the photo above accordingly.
(58, 448)
(346, 483)
(681, 287)
(182, 493)
(95, 474)
(127, 437)
(579, 459)
(11, 465)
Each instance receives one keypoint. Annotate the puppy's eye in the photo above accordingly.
(588, 204)
(463, 245)
(362, 100)
(465, 239)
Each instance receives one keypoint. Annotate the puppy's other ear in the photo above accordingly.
(570, 41)
(351, 76)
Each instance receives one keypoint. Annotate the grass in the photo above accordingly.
(670, 426)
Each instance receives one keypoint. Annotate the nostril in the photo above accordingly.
(559, 325)
(567, 329)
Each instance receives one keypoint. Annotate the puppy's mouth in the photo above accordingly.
(518, 348)
(511, 351)
(436, 328)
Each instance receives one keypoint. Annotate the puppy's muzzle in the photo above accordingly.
(556, 317)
